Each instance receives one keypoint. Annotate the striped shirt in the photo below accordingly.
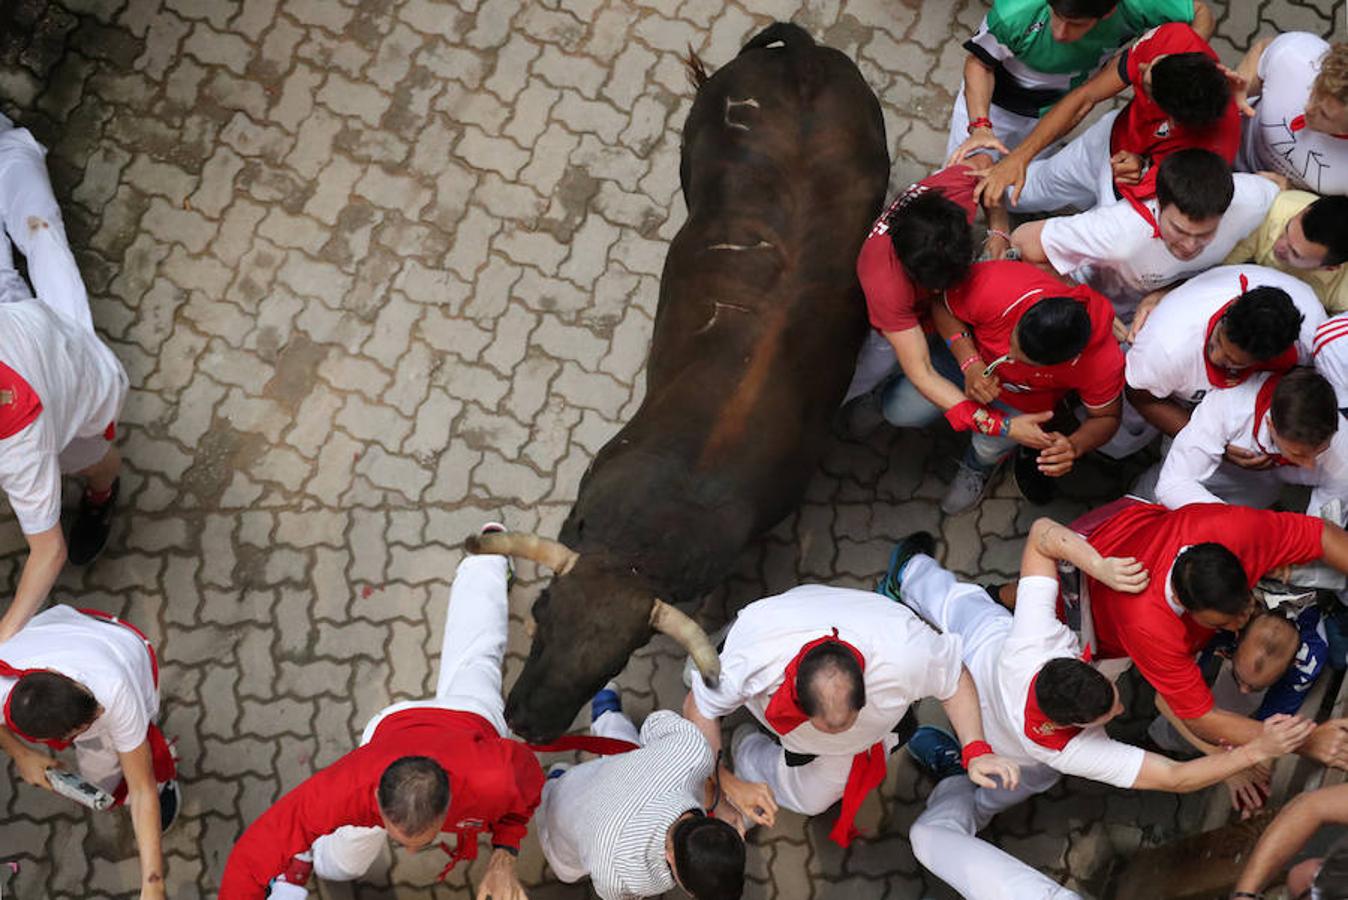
(609, 818)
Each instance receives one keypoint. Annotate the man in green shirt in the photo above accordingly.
(1028, 54)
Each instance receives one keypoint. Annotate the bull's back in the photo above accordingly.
(784, 168)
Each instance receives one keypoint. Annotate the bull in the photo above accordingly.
(783, 168)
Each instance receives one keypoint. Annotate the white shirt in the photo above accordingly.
(81, 385)
(1330, 355)
(1114, 250)
(1311, 160)
(905, 660)
(1169, 359)
(608, 818)
(107, 658)
(1227, 417)
(1003, 671)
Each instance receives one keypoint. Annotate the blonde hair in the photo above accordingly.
(1333, 77)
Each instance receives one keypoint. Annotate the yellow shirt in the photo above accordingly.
(1330, 285)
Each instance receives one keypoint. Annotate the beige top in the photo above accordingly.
(1330, 285)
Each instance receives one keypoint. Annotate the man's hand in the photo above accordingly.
(753, 799)
(978, 387)
(1144, 308)
(1123, 574)
(33, 766)
(1247, 459)
(1127, 168)
(1027, 430)
(1056, 459)
(978, 139)
(1240, 88)
(1249, 789)
(992, 771)
(1328, 745)
(500, 881)
(1008, 173)
(1282, 734)
(1280, 180)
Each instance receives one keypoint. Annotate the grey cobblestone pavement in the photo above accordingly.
(382, 270)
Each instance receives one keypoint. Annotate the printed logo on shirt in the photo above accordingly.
(881, 225)
(1282, 140)
(469, 824)
(1035, 27)
(1197, 396)
(1163, 130)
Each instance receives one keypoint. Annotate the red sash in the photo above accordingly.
(21, 404)
(1040, 729)
(9, 671)
(1140, 207)
(1221, 378)
(784, 715)
(1263, 401)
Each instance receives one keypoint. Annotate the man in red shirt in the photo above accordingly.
(422, 767)
(1181, 99)
(1204, 560)
(920, 246)
(1029, 340)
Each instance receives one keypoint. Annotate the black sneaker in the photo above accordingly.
(170, 801)
(89, 532)
(1033, 484)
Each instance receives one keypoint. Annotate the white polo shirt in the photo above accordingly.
(1004, 670)
(1114, 249)
(82, 387)
(1228, 417)
(905, 660)
(1277, 138)
(1169, 358)
(107, 658)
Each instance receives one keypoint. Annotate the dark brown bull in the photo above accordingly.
(784, 167)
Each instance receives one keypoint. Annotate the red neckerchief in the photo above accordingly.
(1040, 729)
(784, 715)
(22, 406)
(1221, 378)
(1299, 123)
(1140, 207)
(8, 671)
(1263, 401)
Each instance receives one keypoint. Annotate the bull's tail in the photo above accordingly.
(697, 70)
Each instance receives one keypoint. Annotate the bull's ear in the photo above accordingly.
(678, 625)
(556, 556)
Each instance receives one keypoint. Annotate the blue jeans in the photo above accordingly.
(905, 407)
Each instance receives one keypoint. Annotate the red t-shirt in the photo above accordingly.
(494, 783)
(893, 302)
(1145, 129)
(1144, 627)
(992, 300)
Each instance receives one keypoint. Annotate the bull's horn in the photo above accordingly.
(668, 620)
(555, 555)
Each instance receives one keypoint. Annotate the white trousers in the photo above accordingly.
(471, 654)
(944, 836)
(1078, 175)
(809, 789)
(562, 858)
(1009, 127)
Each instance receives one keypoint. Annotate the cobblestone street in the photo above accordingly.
(381, 270)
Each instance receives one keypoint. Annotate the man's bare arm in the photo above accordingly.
(142, 798)
(1204, 23)
(46, 557)
(1290, 831)
(1165, 415)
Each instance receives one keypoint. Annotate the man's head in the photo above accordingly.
(830, 687)
(1189, 88)
(1070, 692)
(1316, 237)
(1305, 413)
(49, 706)
(707, 857)
(1209, 582)
(1327, 108)
(1259, 326)
(1071, 20)
(1193, 190)
(1052, 331)
(1267, 647)
(933, 240)
(413, 796)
